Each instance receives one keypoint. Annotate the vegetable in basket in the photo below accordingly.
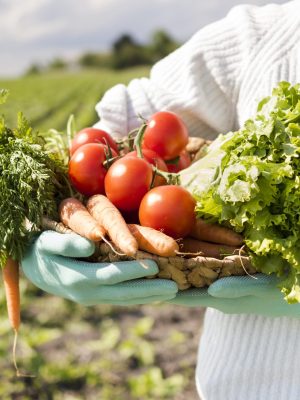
(250, 179)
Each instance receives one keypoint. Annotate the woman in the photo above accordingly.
(213, 82)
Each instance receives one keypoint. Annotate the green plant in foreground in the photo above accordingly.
(29, 185)
(152, 385)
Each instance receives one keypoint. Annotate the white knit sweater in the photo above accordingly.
(214, 82)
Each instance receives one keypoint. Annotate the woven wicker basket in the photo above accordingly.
(198, 271)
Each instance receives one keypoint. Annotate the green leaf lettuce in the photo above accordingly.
(250, 180)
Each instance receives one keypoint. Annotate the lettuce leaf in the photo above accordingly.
(250, 180)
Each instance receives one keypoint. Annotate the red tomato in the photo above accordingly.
(165, 134)
(127, 181)
(155, 160)
(92, 135)
(86, 169)
(169, 209)
(183, 162)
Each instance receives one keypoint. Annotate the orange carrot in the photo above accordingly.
(111, 219)
(75, 215)
(206, 249)
(10, 274)
(154, 241)
(214, 233)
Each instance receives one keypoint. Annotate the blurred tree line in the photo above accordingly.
(125, 52)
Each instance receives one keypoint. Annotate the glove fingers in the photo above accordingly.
(70, 273)
(67, 245)
(139, 291)
(74, 271)
(238, 286)
(125, 270)
(193, 298)
(139, 288)
(201, 298)
(142, 300)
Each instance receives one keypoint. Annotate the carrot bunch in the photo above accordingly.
(100, 218)
(100, 215)
(207, 252)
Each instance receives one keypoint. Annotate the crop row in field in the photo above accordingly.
(47, 100)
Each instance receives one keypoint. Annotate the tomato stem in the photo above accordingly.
(139, 140)
(133, 132)
(109, 161)
(170, 177)
(128, 142)
(108, 155)
(153, 177)
(131, 138)
(142, 118)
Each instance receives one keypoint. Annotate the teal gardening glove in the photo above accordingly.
(241, 295)
(50, 265)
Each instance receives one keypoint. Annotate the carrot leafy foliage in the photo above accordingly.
(31, 183)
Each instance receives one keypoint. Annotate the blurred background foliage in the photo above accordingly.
(125, 52)
(104, 352)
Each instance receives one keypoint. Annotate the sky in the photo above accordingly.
(37, 31)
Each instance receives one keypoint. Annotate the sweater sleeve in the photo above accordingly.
(199, 81)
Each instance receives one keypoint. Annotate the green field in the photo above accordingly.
(47, 100)
(103, 352)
